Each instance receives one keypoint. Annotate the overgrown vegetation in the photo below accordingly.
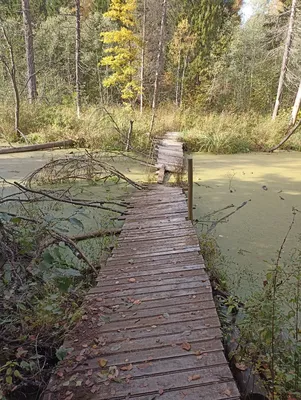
(229, 133)
(269, 324)
(51, 245)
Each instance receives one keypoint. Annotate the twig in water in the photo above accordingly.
(227, 216)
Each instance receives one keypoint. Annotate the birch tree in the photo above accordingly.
(143, 56)
(158, 65)
(285, 58)
(8, 60)
(28, 35)
(77, 58)
(296, 107)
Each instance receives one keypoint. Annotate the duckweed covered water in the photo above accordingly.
(249, 239)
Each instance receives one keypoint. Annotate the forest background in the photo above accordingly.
(214, 70)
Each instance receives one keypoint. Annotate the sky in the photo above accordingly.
(246, 10)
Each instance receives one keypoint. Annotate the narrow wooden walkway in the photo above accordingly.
(150, 328)
(170, 156)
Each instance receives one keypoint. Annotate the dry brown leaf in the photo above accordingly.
(194, 377)
(94, 389)
(132, 280)
(186, 346)
(127, 367)
(102, 362)
(227, 392)
(69, 395)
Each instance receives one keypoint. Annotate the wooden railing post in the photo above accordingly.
(128, 140)
(190, 189)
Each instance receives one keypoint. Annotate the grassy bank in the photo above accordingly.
(223, 133)
(235, 133)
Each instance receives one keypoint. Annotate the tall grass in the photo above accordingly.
(235, 133)
(223, 133)
(95, 128)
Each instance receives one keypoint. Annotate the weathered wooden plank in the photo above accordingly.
(161, 174)
(218, 391)
(173, 380)
(146, 275)
(152, 296)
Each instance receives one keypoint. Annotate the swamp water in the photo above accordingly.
(249, 240)
(68, 219)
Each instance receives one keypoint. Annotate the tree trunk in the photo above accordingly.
(12, 73)
(286, 137)
(183, 79)
(31, 73)
(143, 56)
(285, 58)
(178, 78)
(36, 147)
(77, 59)
(296, 107)
(158, 66)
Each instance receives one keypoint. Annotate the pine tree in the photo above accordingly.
(123, 50)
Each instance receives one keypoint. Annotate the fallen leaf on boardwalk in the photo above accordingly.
(94, 389)
(102, 362)
(227, 392)
(113, 372)
(127, 367)
(186, 346)
(241, 366)
(115, 348)
(132, 280)
(166, 315)
(161, 391)
(137, 302)
(194, 378)
(69, 395)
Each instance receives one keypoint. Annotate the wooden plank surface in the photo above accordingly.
(170, 155)
(149, 328)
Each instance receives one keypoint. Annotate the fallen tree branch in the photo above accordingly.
(285, 139)
(213, 225)
(35, 147)
(96, 234)
(64, 200)
(71, 244)
(17, 216)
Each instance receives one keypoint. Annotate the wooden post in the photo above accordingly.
(190, 189)
(128, 141)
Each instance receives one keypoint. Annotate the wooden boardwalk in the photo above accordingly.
(170, 156)
(150, 328)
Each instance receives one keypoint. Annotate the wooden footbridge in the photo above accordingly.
(150, 329)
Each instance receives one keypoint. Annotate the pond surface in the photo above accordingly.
(249, 239)
(65, 217)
